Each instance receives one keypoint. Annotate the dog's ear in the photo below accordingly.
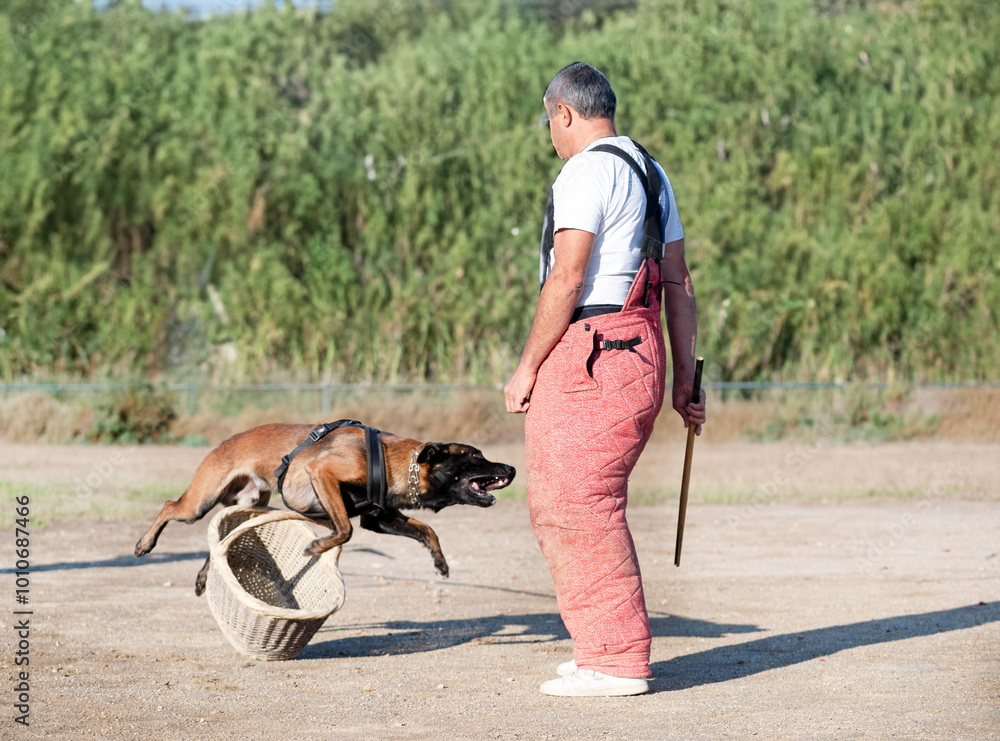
(433, 453)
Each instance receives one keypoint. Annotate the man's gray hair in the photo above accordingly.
(584, 89)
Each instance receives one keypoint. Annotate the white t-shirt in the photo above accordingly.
(599, 193)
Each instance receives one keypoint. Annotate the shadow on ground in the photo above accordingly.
(147, 560)
(118, 562)
(400, 637)
(740, 660)
(721, 664)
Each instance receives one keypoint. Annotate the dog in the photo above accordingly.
(328, 480)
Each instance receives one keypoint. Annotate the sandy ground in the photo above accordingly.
(803, 609)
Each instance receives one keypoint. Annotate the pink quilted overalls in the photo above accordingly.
(592, 410)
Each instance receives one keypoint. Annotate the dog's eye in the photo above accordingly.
(477, 455)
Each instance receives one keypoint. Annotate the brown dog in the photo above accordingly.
(328, 481)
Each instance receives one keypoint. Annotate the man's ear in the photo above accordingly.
(564, 115)
(433, 452)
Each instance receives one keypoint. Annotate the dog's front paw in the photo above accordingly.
(441, 567)
(315, 548)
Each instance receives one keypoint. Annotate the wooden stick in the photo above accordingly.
(695, 398)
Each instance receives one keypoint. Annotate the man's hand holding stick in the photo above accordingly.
(695, 398)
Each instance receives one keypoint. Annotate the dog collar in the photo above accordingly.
(414, 476)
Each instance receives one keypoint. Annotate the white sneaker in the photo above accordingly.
(566, 668)
(588, 683)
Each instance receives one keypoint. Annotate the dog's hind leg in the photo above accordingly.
(169, 512)
(253, 494)
(204, 493)
(394, 522)
(202, 578)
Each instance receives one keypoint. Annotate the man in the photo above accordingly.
(592, 375)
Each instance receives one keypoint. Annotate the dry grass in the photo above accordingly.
(478, 417)
(36, 416)
(729, 421)
(967, 415)
(475, 417)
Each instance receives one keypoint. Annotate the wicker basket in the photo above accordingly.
(267, 596)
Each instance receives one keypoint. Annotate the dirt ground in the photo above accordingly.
(827, 591)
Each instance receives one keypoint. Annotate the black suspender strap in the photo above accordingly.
(653, 222)
(652, 242)
(548, 240)
(652, 246)
(378, 486)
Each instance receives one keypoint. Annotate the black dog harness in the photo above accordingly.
(378, 487)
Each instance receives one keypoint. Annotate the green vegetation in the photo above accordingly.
(355, 195)
(138, 413)
(61, 501)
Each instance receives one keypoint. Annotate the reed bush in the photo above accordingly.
(355, 195)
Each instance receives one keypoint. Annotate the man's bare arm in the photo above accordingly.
(682, 328)
(558, 299)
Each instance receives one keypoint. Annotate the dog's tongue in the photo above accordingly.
(484, 491)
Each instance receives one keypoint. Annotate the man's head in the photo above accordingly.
(583, 88)
(580, 106)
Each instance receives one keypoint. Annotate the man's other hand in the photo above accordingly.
(690, 413)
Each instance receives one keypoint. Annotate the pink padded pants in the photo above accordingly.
(591, 414)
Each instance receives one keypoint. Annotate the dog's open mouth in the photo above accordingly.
(481, 486)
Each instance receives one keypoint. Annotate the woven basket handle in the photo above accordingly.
(268, 517)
